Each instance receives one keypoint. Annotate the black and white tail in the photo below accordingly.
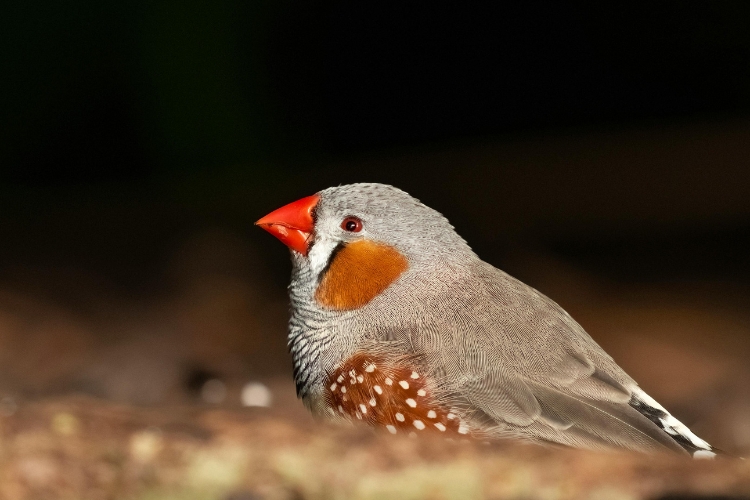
(678, 431)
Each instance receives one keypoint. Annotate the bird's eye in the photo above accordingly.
(352, 224)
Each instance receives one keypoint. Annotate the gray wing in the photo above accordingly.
(521, 366)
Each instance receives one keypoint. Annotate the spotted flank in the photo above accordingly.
(678, 431)
(388, 395)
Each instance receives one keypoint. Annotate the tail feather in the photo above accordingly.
(679, 432)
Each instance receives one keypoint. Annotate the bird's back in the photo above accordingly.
(521, 366)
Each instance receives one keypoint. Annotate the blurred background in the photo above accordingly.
(599, 152)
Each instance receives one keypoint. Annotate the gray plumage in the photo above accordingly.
(508, 358)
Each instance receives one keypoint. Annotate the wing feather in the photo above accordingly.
(531, 369)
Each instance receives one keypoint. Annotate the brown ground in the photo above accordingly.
(100, 397)
(79, 447)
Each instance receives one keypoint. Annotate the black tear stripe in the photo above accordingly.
(314, 213)
(334, 252)
(311, 237)
(655, 415)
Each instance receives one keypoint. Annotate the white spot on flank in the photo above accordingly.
(343, 388)
(340, 379)
(399, 417)
(370, 368)
(440, 427)
(462, 429)
(451, 416)
(391, 429)
(431, 414)
(414, 375)
(703, 455)
(419, 424)
(341, 409)
(388, 381)
(373, 402)
(421, 392)
(404, 384)
(360, 378)
(359, 415)
(333, 386)
(411, 402)
(378, 389)
(363, 408)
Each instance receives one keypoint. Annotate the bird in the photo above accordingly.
(397, 323)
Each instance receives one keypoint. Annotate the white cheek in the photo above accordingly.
(320, 253)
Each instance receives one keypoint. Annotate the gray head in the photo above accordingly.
(383, 214)
(357, 249)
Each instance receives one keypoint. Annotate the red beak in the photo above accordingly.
(292, 224)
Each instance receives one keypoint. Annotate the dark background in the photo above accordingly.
(597, 151)
(126, 124)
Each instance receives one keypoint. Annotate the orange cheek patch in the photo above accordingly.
(358, 273)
